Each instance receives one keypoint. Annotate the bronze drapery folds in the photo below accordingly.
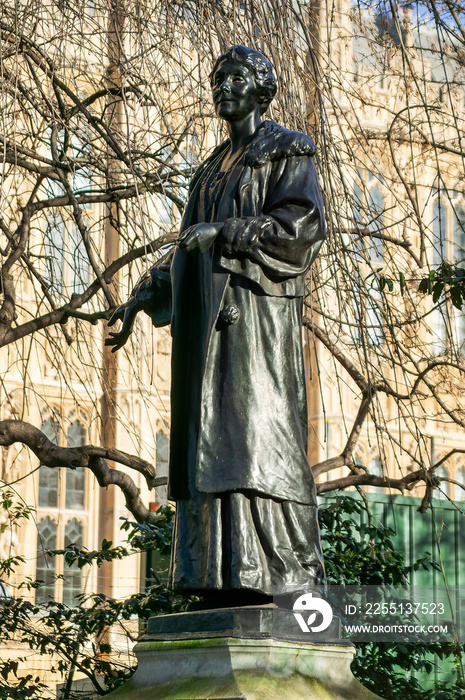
(232, 290)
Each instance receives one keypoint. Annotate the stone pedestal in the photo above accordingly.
(244, 657)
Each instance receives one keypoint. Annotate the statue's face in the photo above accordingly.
(235, 94)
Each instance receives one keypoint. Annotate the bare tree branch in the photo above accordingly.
(89, 457)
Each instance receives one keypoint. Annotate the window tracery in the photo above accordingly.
(62, 490)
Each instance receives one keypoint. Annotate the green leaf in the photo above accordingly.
(456, 295)
(402, 281)
(424, 286)
(437, 290)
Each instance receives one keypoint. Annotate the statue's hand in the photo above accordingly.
(198, 238)
(239, 236)
(126, 313)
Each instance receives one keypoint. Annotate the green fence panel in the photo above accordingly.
(438, 533)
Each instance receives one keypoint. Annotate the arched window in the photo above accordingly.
(459, 259)
(164, 210)
(63, 489)
(442, 492)
(162, 458)
(367, 307)
(439, 315)
(448, 244)
(374, 317)
(357, 215)
(189, 161)
(164, 204)
(375, 223)
(66, 258)
(54, 245)
(376, 469)
(439, 232)
(45, 568)
(75, 478)
(459, 493)
(81, 181)
(459, 235)
(72, 575)
(439, 324)
(367, 212)
(78, 261)
(48, 476)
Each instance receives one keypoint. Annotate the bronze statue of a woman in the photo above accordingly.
(232, 288)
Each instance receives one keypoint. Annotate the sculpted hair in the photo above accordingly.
(258, 65)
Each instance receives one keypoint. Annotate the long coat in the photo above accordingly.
(238, 402)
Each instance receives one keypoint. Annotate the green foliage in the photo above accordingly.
(446, 279)
(360, 551)
(76, 638)
(25, 687)
(15, 512)
(357, 549)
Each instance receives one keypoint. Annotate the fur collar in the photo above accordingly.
(274, 142)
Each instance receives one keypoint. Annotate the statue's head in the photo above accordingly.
(260, 68)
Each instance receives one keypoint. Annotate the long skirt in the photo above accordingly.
(241, 541)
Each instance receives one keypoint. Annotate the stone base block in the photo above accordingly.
(230, 668)
(247, 622)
